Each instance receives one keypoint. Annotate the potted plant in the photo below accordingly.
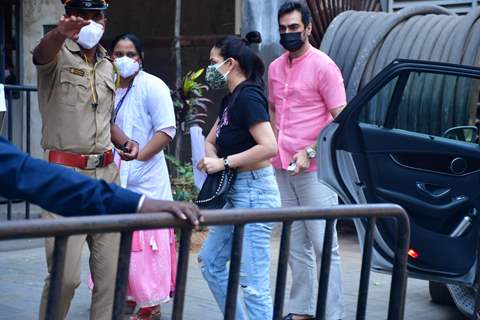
(190, 110)
(190, 106)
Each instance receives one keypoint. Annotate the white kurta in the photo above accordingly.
(146, 110)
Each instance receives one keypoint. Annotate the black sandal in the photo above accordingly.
(290, 317)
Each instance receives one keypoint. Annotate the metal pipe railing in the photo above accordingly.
(365, 271)
(282, 270)
(9, 89)
(61, 229)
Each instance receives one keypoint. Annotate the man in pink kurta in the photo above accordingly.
(306, 92)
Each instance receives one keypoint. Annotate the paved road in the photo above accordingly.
(18, 210)
(22, 273)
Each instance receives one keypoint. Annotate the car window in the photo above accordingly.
(434, 104)
(376, 108)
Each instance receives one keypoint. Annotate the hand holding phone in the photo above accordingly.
(291, 167)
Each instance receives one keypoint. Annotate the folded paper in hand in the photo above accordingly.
(3, 106)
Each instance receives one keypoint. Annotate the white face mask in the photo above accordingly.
(126, 66)
(90, 35)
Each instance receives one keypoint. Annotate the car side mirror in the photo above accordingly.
(462, 133)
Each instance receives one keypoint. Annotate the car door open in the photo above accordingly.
(389, 146)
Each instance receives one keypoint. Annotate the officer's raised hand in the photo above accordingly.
(69, 26)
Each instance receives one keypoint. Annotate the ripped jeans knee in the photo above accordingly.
(258, 301)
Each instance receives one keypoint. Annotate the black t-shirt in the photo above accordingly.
(248, 108)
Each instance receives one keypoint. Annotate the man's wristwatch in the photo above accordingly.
(311, 153)
(124, 146)
(225, 163)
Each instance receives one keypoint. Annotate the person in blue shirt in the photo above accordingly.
(65, 192)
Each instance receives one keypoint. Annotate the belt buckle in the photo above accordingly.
(94, 161)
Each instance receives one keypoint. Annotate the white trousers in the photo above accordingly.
(306, 246)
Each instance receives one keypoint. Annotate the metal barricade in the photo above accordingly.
(61, 229)
(21, 91)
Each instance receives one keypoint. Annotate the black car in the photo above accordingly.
(410, 137)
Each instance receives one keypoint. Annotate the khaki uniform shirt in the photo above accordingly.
(70, 122)
(65, 95)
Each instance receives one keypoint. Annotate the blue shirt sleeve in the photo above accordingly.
(58, 189)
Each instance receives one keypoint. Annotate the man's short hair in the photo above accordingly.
(290, 6)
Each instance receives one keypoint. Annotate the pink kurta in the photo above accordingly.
(147, 109)
(303, 92)
(152, 267)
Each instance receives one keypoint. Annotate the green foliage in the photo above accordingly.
(190, 109)
(190, 105)
(183, 185)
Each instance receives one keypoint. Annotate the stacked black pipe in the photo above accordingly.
(363, 43)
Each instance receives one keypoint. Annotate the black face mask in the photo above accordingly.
(291, 41)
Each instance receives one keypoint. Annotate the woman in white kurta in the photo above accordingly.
(144, 111)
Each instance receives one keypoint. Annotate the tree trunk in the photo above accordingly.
(178, 47)
(178, 74)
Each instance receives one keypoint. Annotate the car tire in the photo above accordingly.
(439, 293)
(464, 299)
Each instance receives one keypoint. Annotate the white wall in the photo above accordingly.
(36, 14)
(261, 16)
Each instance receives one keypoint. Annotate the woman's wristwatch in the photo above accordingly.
(225, 163)
(311, 153)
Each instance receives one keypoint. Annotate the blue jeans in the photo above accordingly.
(251, 189)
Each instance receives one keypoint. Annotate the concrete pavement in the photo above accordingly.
(22, 273)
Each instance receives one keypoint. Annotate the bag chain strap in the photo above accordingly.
(216, 192)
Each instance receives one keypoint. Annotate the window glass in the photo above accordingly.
(433, 104)
(376, 109)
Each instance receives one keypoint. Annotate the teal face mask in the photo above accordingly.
(215, 79)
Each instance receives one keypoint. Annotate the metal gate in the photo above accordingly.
(21, 93)
(61, 229)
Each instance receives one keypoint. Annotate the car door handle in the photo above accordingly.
(433, 191)
(420, 206)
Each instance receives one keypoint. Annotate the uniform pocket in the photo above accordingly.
(106, 95)
(74, 87)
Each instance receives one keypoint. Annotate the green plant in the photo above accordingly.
(183, 186)
(190, 106)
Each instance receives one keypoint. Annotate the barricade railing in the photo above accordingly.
(21, 92)
(61, 229)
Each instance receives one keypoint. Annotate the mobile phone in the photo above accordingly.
(123, 147)
(291, 167)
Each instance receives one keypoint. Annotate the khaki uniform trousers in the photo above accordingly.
(103, 262)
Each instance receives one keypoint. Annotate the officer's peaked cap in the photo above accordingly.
(85, 4)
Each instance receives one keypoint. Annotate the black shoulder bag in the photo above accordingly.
(216, 186)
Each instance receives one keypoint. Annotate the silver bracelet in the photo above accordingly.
(140, 203)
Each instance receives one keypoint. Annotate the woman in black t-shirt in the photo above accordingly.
(241, 138)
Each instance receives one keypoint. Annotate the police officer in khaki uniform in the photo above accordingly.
(76, 99)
